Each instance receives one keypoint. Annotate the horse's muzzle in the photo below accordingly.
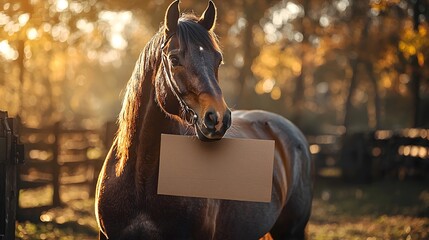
(210, 128)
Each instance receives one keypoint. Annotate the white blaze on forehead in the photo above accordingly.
(201, 48)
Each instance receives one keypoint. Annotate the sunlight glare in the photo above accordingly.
(238, 26)
(7, 51)
(322, 88)
(386, 82)
(342, 5)
(60, 32)
(76, 7)
(404, 78)
(32, 34)
(85, 26)
(258, 88)
(269, 28)
(268, 85)
(279, 17)
(298, 37)
(46, 27)
(4, 19)
(324, 21)
(314, 149)
(46, 217)
(423, 152)
(276, 93)
(109, 57)
(61, 5)
(414, 151)
(423, 133)
(118, 42)
(23, 19)
(270, 32)
(294, 10)
(117, 21)
(406, 150)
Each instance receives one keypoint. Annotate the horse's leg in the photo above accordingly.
(101, 236)
(293, 218)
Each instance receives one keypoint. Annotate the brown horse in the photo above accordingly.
(174, 89)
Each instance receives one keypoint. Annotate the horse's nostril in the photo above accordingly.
(210, 120)
(227, 119)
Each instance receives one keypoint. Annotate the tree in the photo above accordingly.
(317, 62)
(51, 48)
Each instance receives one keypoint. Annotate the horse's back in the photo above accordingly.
(292, 175)
(264, 125)
(290, 142)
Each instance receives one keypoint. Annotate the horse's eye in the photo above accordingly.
(174, 61)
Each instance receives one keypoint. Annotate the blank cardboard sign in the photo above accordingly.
(234, 169)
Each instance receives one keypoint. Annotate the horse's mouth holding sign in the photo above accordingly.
(174, 89)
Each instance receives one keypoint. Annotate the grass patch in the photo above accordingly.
(381, 210)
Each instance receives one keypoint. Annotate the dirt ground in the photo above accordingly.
(387, 209)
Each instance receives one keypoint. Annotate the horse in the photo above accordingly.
(174, 89)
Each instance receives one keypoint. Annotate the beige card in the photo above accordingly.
(233, 169)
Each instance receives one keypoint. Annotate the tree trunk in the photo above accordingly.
(298, 98)
(249, 54)
(355, 65)
(352, 88)
(415, 75)
(21, 75)
(250, 50)
(415, 89)
(377, 100)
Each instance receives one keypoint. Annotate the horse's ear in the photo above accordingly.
(208, 19)
(171, 17)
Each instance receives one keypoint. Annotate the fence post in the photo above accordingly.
(11, 154)
(56, 200)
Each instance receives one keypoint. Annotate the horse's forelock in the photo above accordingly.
(189, 31)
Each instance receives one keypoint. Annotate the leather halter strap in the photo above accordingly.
(190, 116)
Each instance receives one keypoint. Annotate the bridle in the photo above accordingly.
(191, 117)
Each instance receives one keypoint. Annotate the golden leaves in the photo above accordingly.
(381, 5)
(274, 66)
(415, 43)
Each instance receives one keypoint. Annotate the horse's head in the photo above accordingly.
(189, 66)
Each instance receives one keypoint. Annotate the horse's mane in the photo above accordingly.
(189, 31)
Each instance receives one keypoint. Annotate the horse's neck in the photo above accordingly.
(154, 122)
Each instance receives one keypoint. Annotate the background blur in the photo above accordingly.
(358, 64)
(344, 71)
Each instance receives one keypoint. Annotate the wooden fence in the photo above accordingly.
(11, 154)
(365, 156)
(57, 156)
